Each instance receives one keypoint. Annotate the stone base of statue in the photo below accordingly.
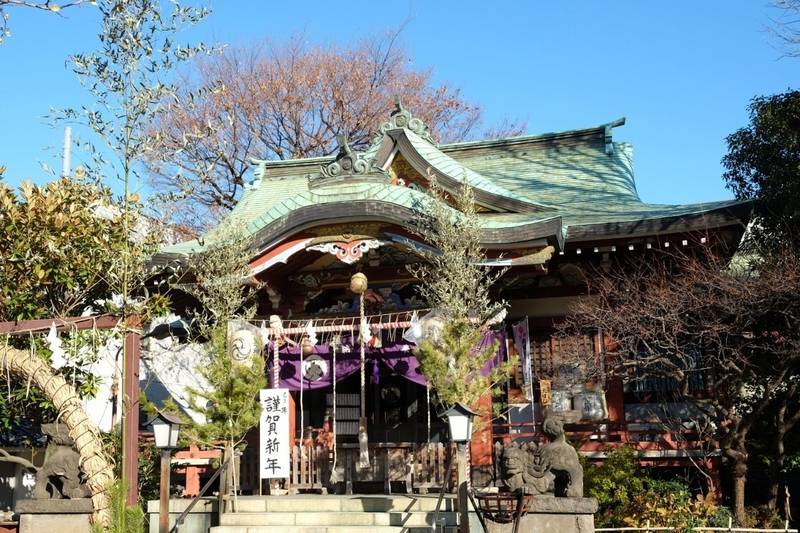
(64, 516)
(549, 514)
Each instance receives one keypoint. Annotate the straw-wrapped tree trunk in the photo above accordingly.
(94, 462)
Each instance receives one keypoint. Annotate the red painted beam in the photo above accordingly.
(23, 327)
(130, 410)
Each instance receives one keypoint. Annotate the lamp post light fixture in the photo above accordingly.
(165, 433)
(459, 418)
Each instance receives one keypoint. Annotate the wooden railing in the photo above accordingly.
(416, 467)
(624, 432)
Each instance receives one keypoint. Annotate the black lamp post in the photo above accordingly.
(459, 418)
(165, 433)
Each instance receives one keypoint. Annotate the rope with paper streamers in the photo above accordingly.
(381, 321)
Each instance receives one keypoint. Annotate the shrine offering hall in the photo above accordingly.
(348, 408)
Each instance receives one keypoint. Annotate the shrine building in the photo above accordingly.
(553, 209)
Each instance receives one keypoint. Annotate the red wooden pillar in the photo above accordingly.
(615, 400)
(480, 447)
(615, 394)
(130, 410)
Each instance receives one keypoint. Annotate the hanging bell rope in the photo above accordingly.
(334, 474)
(358, 285)
(302, 426)
(363, 361)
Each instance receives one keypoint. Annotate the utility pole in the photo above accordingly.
(67, 153)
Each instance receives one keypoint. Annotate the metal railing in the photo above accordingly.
(185, 513)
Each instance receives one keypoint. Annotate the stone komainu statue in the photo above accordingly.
(552, 468)
(60, 476)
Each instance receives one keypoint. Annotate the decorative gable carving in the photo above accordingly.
(402, 118)
(347, 162)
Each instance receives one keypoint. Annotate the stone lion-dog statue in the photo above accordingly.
(552, 468)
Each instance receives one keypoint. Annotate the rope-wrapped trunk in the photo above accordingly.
(93, 459)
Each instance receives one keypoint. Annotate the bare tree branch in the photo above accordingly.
(290, 101)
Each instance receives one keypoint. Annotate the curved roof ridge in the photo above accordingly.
(534, 137)
(447, 166)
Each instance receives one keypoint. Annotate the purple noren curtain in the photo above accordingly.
(397, 356)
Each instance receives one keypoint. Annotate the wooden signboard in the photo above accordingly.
(275, 443)
(545, 392)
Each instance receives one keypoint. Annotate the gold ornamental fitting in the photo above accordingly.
(358, 283)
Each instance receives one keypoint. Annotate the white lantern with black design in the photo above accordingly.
(459, 418)
(165, 430)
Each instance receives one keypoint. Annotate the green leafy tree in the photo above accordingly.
(454, 281)
(762, 165)
(130, 77)
(61, 244)
(230, 405)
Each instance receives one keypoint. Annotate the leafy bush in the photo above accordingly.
(614, 483)
(628, 497)
(671, 509)
(762, 516)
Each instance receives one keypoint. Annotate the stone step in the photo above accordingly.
(340, 503)
(339, 518)
(328, 529)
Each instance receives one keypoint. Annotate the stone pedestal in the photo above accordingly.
(64, 516)
(553, 515)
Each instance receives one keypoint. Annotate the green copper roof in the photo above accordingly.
(578, 179)
(445, 164)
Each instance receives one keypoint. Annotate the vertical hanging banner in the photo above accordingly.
(522, 342)
(275, 445)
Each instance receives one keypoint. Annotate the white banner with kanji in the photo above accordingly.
(522, 341)
(275, 443)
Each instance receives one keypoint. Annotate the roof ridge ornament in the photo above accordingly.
(347, 161)
(402, 118)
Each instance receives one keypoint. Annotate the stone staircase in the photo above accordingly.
(311, 513)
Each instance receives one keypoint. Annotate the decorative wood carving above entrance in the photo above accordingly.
(348, 252)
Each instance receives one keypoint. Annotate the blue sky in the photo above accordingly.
(682, 72)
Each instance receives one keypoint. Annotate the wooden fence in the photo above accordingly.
(408, 467)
